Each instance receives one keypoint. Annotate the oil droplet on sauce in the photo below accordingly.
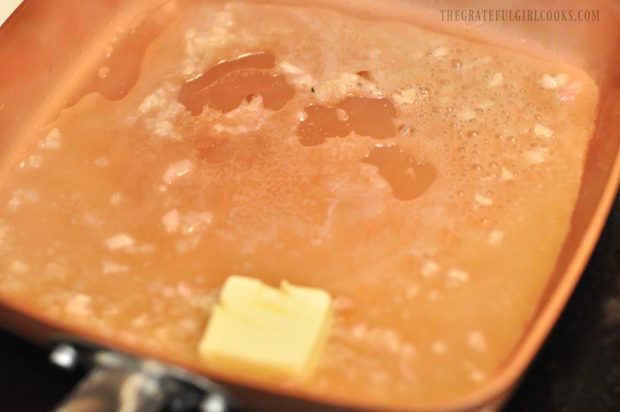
(364, 116)
(408, 178)
(226, 85)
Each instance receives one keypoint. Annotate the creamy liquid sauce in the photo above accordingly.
(424, 180)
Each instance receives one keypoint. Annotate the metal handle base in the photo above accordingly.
(118, 382)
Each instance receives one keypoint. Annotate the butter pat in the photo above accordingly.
(257, 330)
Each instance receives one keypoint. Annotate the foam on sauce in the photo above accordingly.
(424, 180)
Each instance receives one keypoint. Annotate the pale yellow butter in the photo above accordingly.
(258, 330)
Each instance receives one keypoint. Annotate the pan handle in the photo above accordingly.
(123, 383)
(115, 390)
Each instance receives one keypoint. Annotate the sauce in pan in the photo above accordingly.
(425, 181)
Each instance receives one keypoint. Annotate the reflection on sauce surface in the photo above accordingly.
(122, 60)
(407, 178)
(227, 84)
(360, 115)
(285, 142)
